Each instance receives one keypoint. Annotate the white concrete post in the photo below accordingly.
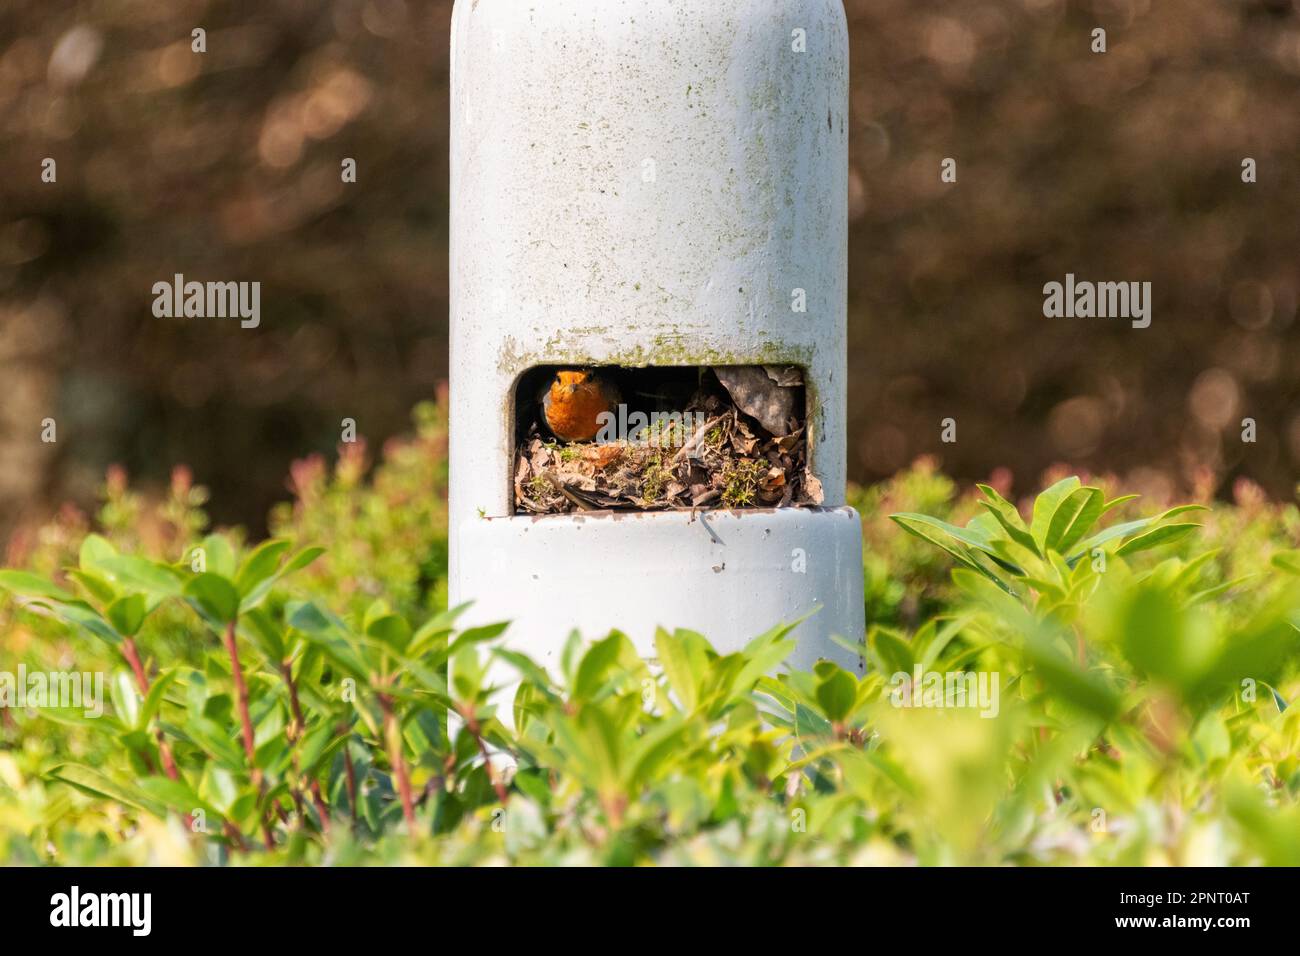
(649, 183)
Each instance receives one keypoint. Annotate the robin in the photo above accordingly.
(574, 402)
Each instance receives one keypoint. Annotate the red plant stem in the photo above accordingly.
(250, 746)
(394, 737)
(133, 658)
(351, 771)
(237, 838)
(142, 681)
(241, 697)
(291, 734)
(295, 708)
(300, 727)
(497, 785)
(322, 809)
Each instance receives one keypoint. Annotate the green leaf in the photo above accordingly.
(467, 674)
(140, 574)
(684, 657)
(125, 697)
(1165, 534)
(97, 784)
(1117, 501)
(1288, 561)
(178, 795)
(317, 743)
(1086, 691)
(889, 652)
(1260, 647)
(214, 597)
(218, 556)
(127, 614)
(263, 632)
(943, 636)
(1045, 507)
(529, 670)
(986, 525)
(328, 633)
(921, 526)
(594, 668)
(389, 628)
(94, 585)
(26, 584)
(836, 694)
(1007, 516)
(762, 656)
(474, 635)
(257, 593)
(810, 724)
(88, 619)
(1110, 534)
(994, 497)
(300, 560)
(435, 630)
(972, 537)
(260, 566)
(95, 550)
(217, 740)
(1074, 516)
(1181, 509)
(653, 752)
(157, 690)
(219, 786)
(1159, 638)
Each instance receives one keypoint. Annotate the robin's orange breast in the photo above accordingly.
(573, 409)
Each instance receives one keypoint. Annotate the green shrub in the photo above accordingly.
(274, 702)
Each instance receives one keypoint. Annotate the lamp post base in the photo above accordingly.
(728, 575)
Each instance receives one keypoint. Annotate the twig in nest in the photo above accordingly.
(696, 438)
(564, 489)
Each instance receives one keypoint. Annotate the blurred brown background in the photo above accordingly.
(225, 166)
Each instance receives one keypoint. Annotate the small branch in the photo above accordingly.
(693, 442)
(472, 725)
(434, 784)
(232, 833)
(241, 697)
(294, 733)
(350, 775)
(295, 708)
(142, 681)
(394, 737)
(133, 658)
(250, 746)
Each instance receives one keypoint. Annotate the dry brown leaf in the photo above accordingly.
(812, 487)
(602, 456)
(774, 480)
(757, 394)
(787, 376)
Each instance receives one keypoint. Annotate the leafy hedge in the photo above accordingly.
(275, 703)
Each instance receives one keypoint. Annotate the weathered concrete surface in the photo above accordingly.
(641, 182)
(728, 575)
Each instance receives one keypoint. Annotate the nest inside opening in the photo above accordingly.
(679, 438)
